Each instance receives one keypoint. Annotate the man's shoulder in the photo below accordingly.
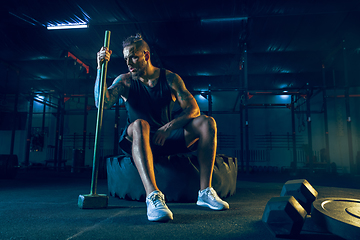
(168, 72)
(124, 78)
(172, 78)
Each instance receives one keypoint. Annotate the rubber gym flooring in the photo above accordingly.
(42, 204)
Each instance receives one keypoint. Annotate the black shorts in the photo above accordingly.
(174, 144)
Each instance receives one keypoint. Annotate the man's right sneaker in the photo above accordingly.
(209, 198)
(156, 207)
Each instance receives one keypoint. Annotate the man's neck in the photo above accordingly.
(151, 76)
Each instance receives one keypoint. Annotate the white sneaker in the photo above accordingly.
(209, 198)
(156, 207)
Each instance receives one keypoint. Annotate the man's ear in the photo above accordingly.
(147, 55)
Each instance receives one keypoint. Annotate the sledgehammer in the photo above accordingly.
(94, 200)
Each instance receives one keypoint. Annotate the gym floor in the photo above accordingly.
(42, 204)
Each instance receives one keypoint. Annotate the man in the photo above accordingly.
(149, 94)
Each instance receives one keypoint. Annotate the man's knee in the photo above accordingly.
(208, 122)
(139, 126)
(206, 125)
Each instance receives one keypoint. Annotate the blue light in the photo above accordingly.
(282, 86)
(210, 20)
(203, 74)
(67, 26)
(200, 98)
(75, 22)
(39, 96)
(203, 94)
(284, 96)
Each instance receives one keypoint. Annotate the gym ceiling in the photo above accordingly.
(276, 45)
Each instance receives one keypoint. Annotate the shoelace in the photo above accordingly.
(157, 200)
(212, 194)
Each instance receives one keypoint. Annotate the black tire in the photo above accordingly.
(177, 177)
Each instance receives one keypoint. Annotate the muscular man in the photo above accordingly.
(149, 94)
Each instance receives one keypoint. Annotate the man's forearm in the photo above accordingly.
(184, 118)
(97, 92)
(97, 88)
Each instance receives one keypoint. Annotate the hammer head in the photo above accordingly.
(91, 201)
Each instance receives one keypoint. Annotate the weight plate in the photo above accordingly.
(340, 216)
(354, 211)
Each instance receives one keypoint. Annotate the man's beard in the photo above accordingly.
(136, 75)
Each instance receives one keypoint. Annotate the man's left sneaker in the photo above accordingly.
(209, 198)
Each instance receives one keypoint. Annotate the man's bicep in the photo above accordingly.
(117, 85)
(115, 90)
(185, 98)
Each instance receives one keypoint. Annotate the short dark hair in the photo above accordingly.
(137, 40)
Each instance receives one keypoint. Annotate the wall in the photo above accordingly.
(7, 103)
(263, 122)
(276, 121)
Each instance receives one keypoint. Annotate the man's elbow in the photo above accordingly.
(196, 112)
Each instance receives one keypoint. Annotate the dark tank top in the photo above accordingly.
(153, 104)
